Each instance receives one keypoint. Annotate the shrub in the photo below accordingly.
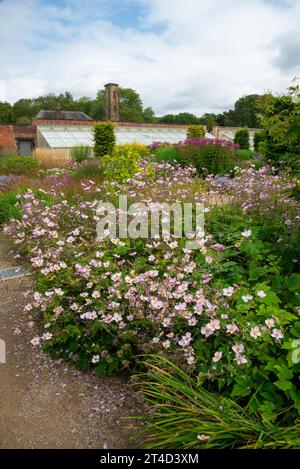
(122, 164)
(143, 150)
(259, 137)
(195, 131)
(244, 154)
(209, 156)
(104, 139)
(17, 164)
(242, 139)
(169, 154)
(184, 415)
(80, 154)
(281, 123)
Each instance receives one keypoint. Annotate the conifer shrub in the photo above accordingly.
(242, 139)
(104, 139)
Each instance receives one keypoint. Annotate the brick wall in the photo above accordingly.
(7, 138)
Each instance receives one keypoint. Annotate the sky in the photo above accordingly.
(180, 55)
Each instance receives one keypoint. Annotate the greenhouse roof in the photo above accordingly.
(68, 136)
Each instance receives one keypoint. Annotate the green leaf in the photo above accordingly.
(284, 385)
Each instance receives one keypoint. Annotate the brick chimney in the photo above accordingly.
(112, 108)
(58, 112)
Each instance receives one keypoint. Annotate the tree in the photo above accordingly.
(183, 118)
(280, 119)
(6, 113)
(149, 115)
(131, 105)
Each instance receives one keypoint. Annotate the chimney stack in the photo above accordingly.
(112, 108)
(58, 112)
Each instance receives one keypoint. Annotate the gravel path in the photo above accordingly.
(46, 404)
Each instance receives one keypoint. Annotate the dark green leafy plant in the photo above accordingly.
(104, 139)
(258, 139)
(281, 123)
(242, 139)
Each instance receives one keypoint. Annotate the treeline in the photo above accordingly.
(131, 110)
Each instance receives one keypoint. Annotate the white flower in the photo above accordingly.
(238, 348)
(35, 341)
(247, 298)
(96, 294)
(206, 330)
(240, 359)
(203, 437)
(277, 334)
(270, 323)
(191, 360)
(261, 294)
(255, 332)
(116, 277)
(228, 291)
(246, 233)
(214, 324)
(185, 340)
(231, 328)
(47, 336)
(217, 356)
(166, 344)
(166, 322)
(95, 359)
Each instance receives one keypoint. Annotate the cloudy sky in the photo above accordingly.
(180, 55)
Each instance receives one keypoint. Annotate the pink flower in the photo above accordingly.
(218, 247)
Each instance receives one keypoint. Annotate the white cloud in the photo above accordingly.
(191, 55)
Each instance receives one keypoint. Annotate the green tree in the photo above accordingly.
(104, 139)
(183, 118)
(149, 115)
(6, 113)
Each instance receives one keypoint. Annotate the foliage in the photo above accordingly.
(183, 118)
(184, 415)
(90, 170)
(80, 154)
(281, 123)
(208, 156)
(24, 110)
(104, 139)
(123, 163)
(8, 206)
(259, 137)
(195, 131)
(242, 139)
(17, 164)
(243, 154)
(169, 154)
